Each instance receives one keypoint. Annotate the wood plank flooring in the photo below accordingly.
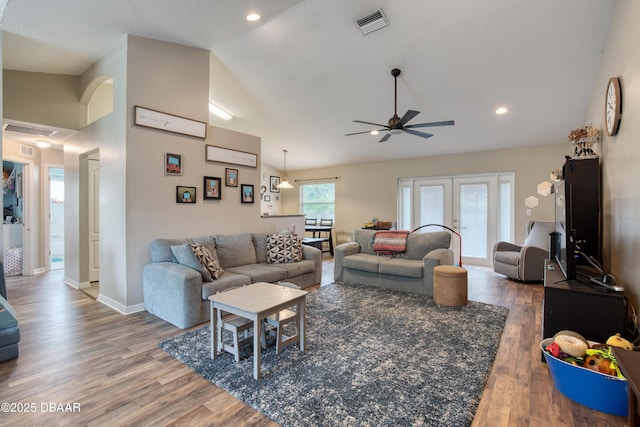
(76, 350)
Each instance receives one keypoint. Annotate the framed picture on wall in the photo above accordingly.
(212, 188)
(246, 193)
(231, 177)
(275, 181)
(172, 164)
(185, 194)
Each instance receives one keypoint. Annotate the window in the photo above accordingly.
(318, 200)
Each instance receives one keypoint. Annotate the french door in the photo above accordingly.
(470, 205)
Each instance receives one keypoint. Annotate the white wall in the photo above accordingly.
(621, 153)
(367, 190)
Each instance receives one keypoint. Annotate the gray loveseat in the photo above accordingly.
(412, 271)
(179, 293)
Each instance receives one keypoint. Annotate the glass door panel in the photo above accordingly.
(474, 204)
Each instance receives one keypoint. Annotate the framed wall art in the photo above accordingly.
(185, 194)
(246, 193)
(234, 157)
(212, 188)
(231, 177)
(172, 164)
(275, 181)
(168, 122)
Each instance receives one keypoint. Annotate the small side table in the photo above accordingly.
(629, 363)
(450, 285)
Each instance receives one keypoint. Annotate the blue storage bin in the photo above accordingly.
(593, 389)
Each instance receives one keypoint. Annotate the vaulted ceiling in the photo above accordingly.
(301, 75)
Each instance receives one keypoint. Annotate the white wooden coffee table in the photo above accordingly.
(256, 302)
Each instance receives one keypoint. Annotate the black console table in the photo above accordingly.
(593, 311)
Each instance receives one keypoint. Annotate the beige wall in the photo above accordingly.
(620, 164)
(33, 94)
(274, 206)
(101, 102)
(367, 190)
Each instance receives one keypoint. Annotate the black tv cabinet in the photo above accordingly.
(593, 311)
(583, 175)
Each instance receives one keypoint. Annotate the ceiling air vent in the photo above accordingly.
(372, 22)
(26, 150)
(30, 130)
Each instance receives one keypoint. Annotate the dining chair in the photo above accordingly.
(326, 221)
(311, 221)
(236, 325)
(284, 317)
(326, 233)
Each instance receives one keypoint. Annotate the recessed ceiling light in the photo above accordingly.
(219, 111)
(502, 110)
(253, 17)
(42, 143)
(374, 132)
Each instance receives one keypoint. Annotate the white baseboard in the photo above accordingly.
(71, 282)
(120, 308)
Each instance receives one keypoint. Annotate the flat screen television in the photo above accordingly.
(565, 234)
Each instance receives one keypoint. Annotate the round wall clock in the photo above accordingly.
(613, 106)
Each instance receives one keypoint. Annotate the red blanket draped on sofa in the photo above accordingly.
(390, 242)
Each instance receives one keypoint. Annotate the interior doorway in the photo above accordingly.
(56, 218)
(17, 232)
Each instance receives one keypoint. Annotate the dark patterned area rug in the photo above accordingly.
(374, 357)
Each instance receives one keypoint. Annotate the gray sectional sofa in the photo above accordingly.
(178, 293)
(411, 271)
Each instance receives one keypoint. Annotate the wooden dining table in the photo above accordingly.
(322, 228)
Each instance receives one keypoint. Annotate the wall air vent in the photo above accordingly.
(30, 130)
(372, 22)
(26, 151)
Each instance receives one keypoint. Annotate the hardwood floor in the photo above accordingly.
(75, 350)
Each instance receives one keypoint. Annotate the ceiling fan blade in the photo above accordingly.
(416, 133)
(410, 114)
(369, 123)
(366, 131)
(426, 125)
(385, 138)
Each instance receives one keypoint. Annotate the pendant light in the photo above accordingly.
(285, 183)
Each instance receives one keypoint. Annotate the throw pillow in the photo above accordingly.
(186, 257)
(207, 260)
(235, 249)
(284, 248)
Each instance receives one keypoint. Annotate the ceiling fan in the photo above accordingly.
(398, 125)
